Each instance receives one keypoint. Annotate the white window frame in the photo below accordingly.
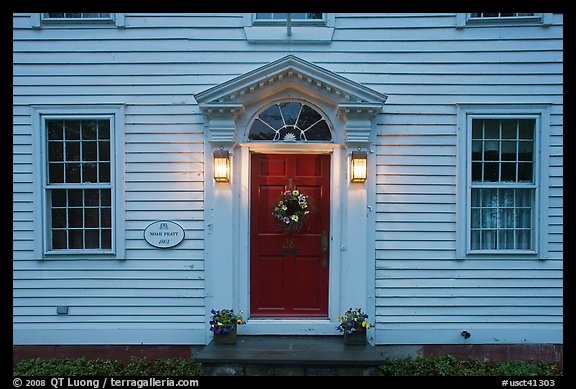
(43, 238)
(38, 21)
(275, 31)
(541, 114)
(538, 19)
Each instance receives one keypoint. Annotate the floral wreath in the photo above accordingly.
(292, 210)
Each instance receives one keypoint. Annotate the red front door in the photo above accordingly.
(289, 272)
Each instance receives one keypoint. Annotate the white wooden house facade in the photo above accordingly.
(458, 226)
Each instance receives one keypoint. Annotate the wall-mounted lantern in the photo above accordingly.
(359, 166)
(221, 165)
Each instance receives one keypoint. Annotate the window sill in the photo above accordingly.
(300, 34)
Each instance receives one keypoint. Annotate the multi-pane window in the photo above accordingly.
(502, 184)
(295, 17)
(491, 15)
(77, 15)
(79, 186)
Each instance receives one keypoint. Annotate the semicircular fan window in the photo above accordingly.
(290, 122)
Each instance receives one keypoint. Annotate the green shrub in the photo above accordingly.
(447, 365)
(106, 367)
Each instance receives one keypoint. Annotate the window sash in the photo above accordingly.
(83, 17)
(49, 189)
(497, 185)
(282, 22)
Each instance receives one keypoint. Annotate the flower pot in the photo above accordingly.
(355, 338)
(226, 337)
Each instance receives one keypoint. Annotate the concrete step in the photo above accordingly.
(290, 355)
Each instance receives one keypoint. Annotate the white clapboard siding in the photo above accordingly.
(155, 65)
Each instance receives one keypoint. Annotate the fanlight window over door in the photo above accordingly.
(290, 122)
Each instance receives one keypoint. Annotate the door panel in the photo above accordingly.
(289, 272)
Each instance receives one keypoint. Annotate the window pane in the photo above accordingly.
(308, 117)
(55, 129)
(89, 172)
(523, 240)
(523, 218)
(91, 197)
(477, 125)
(59, 218)
(319, 131)
(524, 172)
(75, 218)
(491, 150)
(75, 198)
(526, 151)
(506, 197)
(89, 130)
(105, 197)
(290, 111)
(506, 239)
(526, 128)
(491, 129)
(105, 217)
(58, 197)
(523, 197)
(72, 129)
(475, 218)
(55, 151)
(508, 172)
(260, 131)
(476, 150)
(491, 172)
(489, 197)
(56, 173)
(72, 172)
(488, 239)
(509, 128)
(477, 171)
(508, 150)
(91, 218)
(75, 239)
(272, 117)
(104, 172)
(106, 238)
(506, 217)
(104, 151)
(103, 129)
(59, 240)
(72, 151)
(475, 240)
(489, 218)
(92, 239)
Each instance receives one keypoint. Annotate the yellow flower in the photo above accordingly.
(365, 324)
(239, 321)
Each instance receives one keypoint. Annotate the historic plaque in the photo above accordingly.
(164, 234)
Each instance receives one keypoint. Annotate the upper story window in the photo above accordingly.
(295, 18)
(479, 19)
(502, 15)
(290, 122)
(306, 28)
(80, 20)
(77, 16)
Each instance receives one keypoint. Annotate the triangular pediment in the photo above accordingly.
(291, 72)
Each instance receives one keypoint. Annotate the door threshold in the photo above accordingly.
(288, 326)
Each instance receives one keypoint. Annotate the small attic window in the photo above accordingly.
(290, 122)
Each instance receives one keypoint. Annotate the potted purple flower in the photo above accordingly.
(224, 324)
(353, 323)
